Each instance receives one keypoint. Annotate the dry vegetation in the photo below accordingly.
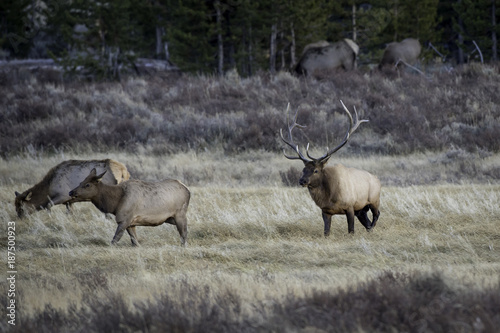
(257, 260)
(407, 114)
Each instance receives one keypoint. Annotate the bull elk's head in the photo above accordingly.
(313, 167)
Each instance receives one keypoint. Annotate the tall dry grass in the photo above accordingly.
(257, 260)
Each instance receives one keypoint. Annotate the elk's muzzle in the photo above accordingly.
(303, 182)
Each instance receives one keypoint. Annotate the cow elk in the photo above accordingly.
(338, 189)
(407, 52)
(320, 57)
(54, 187)
(137, 203)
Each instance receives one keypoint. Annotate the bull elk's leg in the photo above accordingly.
(363, 218)
(350, 220)
(376, 214)
(327, 219)
(133, 236)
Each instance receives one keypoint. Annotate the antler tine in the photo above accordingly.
(290, 142)
(353, 125)
(356, 117)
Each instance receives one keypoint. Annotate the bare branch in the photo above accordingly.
(479, 50)
(407, 64)
(443, 57)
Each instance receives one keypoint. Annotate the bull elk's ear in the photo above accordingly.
(17, 194)
(28, 197)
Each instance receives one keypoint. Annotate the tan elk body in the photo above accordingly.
(407, 51)
(54, 187)
(137, 203)
(338, 189)
(327, 57)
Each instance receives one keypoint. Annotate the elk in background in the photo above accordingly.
(407, 52)
(338, 189)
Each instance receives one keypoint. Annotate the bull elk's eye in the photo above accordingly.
(87, 185)
(316, 171)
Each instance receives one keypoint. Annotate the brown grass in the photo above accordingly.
(257, 260)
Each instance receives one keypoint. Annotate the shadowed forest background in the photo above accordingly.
(101, 39)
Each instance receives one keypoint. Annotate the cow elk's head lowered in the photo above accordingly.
(337, 189)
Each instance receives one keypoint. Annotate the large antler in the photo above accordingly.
(353, 125)
(290, 142)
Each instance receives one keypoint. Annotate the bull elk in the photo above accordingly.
(137, 203)
(337, 189)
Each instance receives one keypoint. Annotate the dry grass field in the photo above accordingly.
(257, 259)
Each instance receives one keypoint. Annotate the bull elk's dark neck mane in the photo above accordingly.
(108, 197)
(321, 194)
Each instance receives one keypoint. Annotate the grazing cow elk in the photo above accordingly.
(54, 187)
(326, 57)
(406, 51)
(338, 189)
(137, 203)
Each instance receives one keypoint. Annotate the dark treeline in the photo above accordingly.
(214, 36)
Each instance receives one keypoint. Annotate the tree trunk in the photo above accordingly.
(220, 42)
(354, 28)
(354, 32)
(159, 42)
(460, 43)
(494, 54)
(281, 52)
(293, 59)
(272, 49)
(250, 51)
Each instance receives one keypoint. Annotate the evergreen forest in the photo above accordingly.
(215, 36)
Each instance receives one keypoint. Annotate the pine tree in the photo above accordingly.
(102, 37)
(475, 24)
(17, 30)
(191, 34)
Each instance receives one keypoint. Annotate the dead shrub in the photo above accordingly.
(290, 177)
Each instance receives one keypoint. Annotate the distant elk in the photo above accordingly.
(338, 189)
(54, 187)
(321, 56)
(407, 52)
(137, 203)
